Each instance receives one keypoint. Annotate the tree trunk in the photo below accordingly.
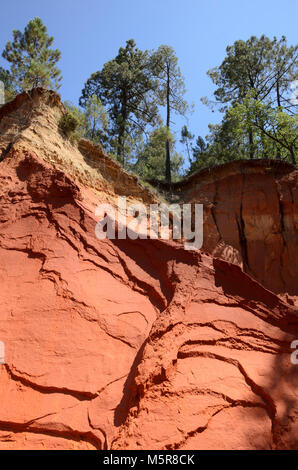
(188, 152)
(120, 146)
(251, 149)
(278, 104)
(120, 142)
(168, 157)
(277, 93)
(293, 157)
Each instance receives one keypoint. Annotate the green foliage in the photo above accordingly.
(200, 157)
(79, 116)
(170, 82)
(124, 87)
(273, 127)
(132, 87)
(264, 66)
(32, 61)
(169, 91)
(253, 90)
(150, 163)
(5, 78)
(68, 123)
(92, 121)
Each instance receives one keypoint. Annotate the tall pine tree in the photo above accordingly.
(260, 68)
(124, 87)
(169, 91)
(32, 61)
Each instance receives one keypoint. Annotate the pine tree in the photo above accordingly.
(271, 124)
(150, 162)
(6, 86)
(33, 62)
(169, 91)
(124, 87)
(260, 69)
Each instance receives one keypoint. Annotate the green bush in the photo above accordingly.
(68, 123)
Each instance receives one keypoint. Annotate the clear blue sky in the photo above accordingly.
(90, 32)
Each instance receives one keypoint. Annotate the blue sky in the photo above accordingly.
(90, 32)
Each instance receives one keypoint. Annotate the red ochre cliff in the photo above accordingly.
(140, 344)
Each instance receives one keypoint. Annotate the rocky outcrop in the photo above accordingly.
(250, 218)
(123, 344)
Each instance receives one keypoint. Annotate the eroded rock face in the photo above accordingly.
(123, 344)
(251, 218)
(216, 370)
(74, 310)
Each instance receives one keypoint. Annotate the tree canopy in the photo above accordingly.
(170, 91)
(254, 91)
(128, 104)
(151, 162)
(124, 86)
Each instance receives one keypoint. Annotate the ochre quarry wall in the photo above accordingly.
(250, 218)
(129, 344)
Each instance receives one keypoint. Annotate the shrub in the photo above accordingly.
(68, 124)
